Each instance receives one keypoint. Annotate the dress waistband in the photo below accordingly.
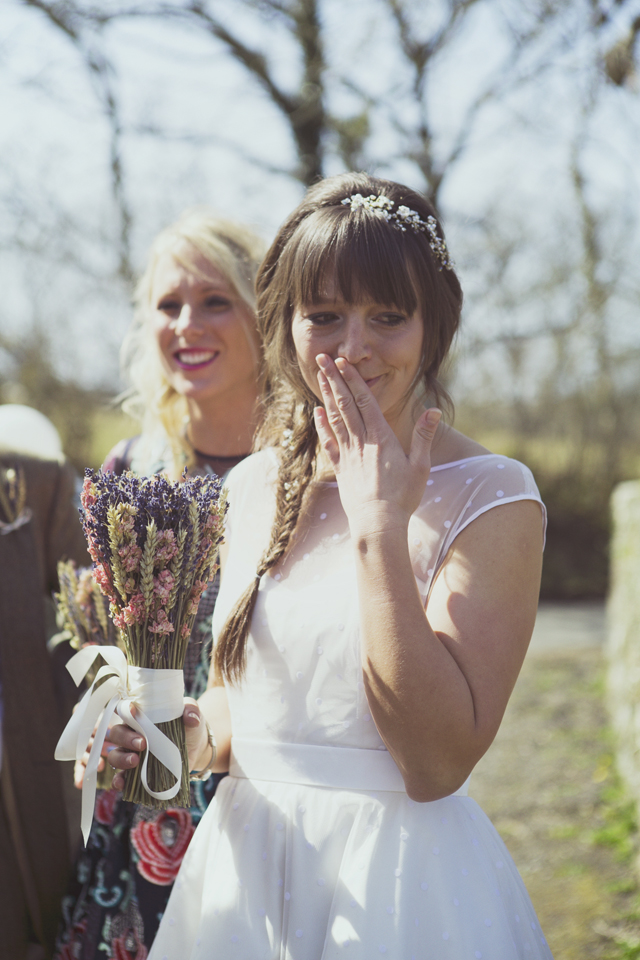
(345, 768)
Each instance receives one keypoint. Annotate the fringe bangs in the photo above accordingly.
(357, 257)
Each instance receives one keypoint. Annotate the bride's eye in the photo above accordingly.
(321, 319)
(392, 319)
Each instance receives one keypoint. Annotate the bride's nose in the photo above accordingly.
(354, 343)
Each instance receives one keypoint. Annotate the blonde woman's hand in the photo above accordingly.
(376, 478)
(81, 765)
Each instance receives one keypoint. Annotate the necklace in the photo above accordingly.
(215, 456)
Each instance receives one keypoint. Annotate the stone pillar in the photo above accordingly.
(623, 633)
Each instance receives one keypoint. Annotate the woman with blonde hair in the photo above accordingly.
(192, 358)
(193, 408)
(378, 595)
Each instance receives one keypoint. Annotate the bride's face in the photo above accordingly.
(381, 342)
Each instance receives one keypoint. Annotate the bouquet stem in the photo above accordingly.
(158, 777)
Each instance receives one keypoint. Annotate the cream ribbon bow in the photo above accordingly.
(158, 696)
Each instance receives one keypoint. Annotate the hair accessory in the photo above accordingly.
(291, 489)
(286, 439)
(401, 218)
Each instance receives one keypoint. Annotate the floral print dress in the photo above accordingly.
(124, 876)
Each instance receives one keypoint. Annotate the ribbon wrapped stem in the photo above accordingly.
(162, 775)
(157, 774)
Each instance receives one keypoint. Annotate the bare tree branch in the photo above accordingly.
(66, 17)
(304, 110)
(204, 139)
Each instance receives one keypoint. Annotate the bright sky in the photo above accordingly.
(54, 178)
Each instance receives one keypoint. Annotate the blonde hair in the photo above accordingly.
(368, 258)
(232, 249)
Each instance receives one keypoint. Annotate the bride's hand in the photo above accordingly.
(129, 743)
(372, 469)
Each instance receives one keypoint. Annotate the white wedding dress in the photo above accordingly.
(311, 849)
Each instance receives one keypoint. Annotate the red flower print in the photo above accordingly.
(72, 949)
(123, 948)
(105, 805)
(161, 844)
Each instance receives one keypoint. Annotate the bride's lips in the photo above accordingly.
(194, 359)
(373, 380)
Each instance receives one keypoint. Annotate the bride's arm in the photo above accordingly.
(437, 684)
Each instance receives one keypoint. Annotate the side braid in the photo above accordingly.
(366, 258)
(296, 470)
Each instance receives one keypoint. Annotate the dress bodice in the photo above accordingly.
(304, 679)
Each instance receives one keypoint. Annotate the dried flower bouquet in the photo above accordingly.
(82, 611)
(154, 546)
(82, 614)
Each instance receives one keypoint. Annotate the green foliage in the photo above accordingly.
(576, 560)
(619, 828)
(36, 383)
(576, 478)
(626, 950)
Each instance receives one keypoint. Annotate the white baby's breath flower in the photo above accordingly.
(403, 216)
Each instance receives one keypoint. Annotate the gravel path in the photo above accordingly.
(547, 783)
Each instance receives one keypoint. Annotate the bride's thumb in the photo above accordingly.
(423, 434)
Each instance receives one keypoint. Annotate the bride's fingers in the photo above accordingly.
(367, 405)
(340, 403)
(335, 420)
(326, 435)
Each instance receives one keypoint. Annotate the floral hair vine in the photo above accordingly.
(401, 218)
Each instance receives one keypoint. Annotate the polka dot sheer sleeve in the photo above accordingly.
(456, 495)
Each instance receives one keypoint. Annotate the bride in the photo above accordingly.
(377, 600)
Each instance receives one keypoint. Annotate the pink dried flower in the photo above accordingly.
(194, 597)
(134, 612)
(103, 578)
(93, 553)
(167, 547)
(161, 624)
(213, 525)
(130, 555)
(163, 584)
(88, 495)
(118, 618)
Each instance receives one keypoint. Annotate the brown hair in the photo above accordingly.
(368, 259)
